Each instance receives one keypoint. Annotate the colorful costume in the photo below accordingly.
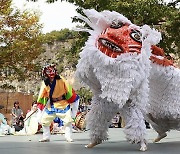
(115, 65)
(60, 97)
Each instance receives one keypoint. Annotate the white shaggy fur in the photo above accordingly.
(164, 98)
(118, 84)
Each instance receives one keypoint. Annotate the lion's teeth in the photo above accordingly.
(110, 45)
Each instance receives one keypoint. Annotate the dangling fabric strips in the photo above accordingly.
(52, 86)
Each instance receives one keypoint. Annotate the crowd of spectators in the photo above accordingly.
(18, 124)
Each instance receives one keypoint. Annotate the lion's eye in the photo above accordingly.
(116, 24)
(136, 35)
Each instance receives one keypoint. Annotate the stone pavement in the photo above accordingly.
(115, 145)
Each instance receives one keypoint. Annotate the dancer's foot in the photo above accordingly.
(44, 140)
(69, 140)
(160, 136)
(91, 145)
(143, 146)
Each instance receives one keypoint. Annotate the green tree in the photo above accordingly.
(62, 35)
(20, 41)
(85, 95)
(67, 53)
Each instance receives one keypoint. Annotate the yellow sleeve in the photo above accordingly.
(66, 84)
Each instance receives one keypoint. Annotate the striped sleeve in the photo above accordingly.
(71, 94)
(43, 94)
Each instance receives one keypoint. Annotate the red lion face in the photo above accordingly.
(119, 38)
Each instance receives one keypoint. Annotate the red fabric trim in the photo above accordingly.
(163, 62)
(157, 51)
(73, 97)
(40, 106)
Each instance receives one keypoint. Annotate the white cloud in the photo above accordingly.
(55, 16)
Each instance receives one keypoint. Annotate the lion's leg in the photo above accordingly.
(159, 126)
(135, 128)
(98, 120)
(160, 136)
(161, 133)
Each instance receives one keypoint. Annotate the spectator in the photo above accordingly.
(17, 117)
(30, 122)
(116, 121)
(89, 106)
(84, 107)
(4, 127)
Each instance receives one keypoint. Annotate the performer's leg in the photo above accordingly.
(68, 132)
(74, 108)
(135, 127)
(160, 126)
(66, 118)
(161, 132)
(160, 136)
(46, 134)
(46, 121)
(98, 120)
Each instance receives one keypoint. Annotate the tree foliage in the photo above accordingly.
(62, 35)
(68, 52)
(20, 41)
(85, 95)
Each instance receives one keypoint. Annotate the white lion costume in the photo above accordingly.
(164, 95)
(115, 65)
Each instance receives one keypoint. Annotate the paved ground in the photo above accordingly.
(116, 144)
